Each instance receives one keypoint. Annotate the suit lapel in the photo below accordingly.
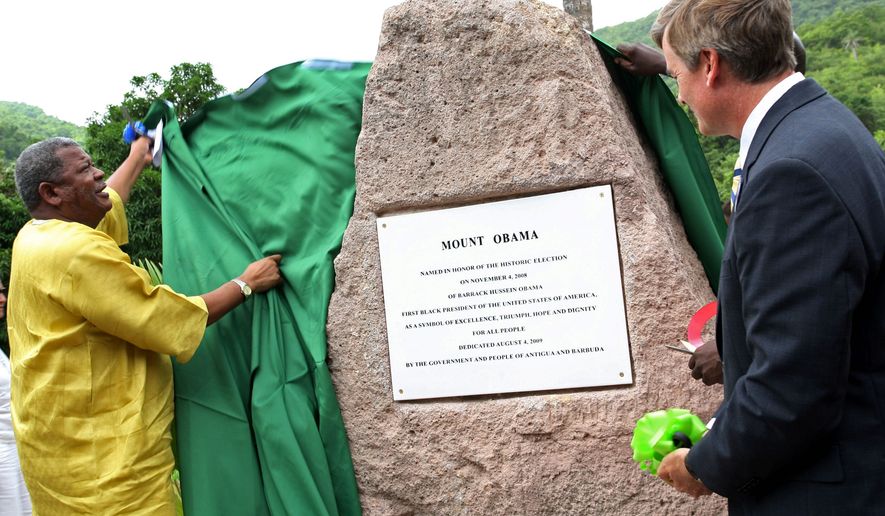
(799, 95)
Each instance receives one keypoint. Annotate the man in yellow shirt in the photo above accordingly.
(90, 339)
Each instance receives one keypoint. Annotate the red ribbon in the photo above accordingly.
(698, 322)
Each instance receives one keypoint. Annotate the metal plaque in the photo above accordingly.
(509, 296)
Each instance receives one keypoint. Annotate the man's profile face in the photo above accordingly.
(82, 188)
(693, 90)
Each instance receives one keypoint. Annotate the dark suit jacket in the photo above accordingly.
(801, 323)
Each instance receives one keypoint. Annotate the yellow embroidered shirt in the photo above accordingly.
(91, 373)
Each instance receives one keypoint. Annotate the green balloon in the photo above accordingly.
(653, 437)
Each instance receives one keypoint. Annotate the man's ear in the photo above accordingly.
(712, 66)
(50, 194)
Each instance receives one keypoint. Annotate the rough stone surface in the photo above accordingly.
(471, 101)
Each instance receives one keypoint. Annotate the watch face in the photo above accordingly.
(247, 290)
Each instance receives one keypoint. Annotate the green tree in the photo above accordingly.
(13, 216)
(189, 86)
(812, 11)
(846, 55)
(804, 11)
(863, 24)
(850, 43)
(629, 32)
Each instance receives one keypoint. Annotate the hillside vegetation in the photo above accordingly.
(22, 125)
(804, 11)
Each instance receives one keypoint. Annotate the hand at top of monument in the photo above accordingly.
(705, 364)
(641, 59)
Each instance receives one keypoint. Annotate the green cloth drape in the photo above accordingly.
(682, 161)
(269, 170)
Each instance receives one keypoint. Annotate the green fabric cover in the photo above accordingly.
(269, 170)
(682, 161)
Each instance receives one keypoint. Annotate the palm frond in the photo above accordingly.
(154, 270)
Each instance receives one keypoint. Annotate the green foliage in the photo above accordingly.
(863, 26)
(846, 55)
(189, 86)
(629, 32)
(811, 11)
(12, 139)
(154, 270)
(143, 212)
(13, 216)
(804, 12)
(104, 138)
(22, 125)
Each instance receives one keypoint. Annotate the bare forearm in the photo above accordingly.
(122, 180)
(222, 300)
(260, 276)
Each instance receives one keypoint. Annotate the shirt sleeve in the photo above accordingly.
(102, 286)
(115, 224)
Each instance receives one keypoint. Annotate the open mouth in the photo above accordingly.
(100, 191)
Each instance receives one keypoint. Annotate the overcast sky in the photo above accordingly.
(74, 58)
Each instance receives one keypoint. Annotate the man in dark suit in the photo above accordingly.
(801, 323)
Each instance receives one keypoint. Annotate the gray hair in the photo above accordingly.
(37, 164)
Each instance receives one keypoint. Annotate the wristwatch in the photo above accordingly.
(244, 287)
